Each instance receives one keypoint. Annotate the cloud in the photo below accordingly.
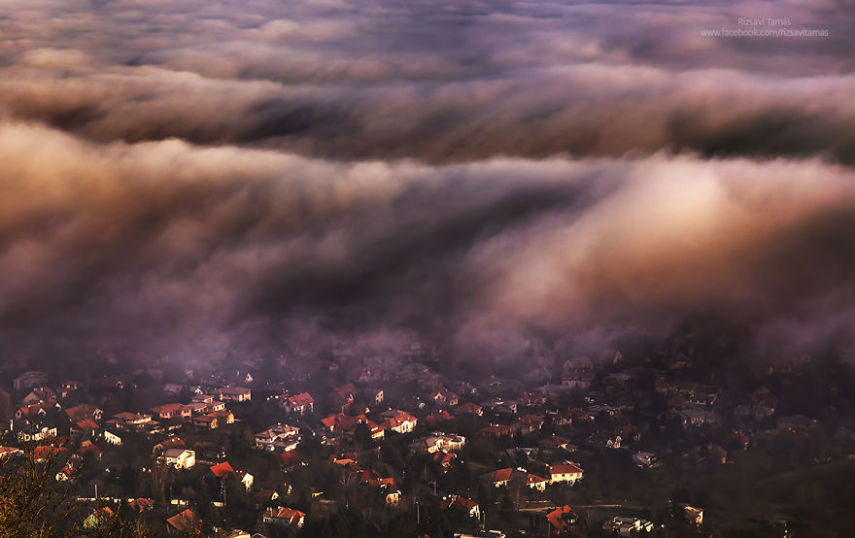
(166, 245)
(400, 81)
(201, 177)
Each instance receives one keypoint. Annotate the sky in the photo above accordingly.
(211, 179)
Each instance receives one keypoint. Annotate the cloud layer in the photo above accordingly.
(205, 178)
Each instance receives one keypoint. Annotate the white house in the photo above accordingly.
(568, 473)
(180, 458)
(112, 438)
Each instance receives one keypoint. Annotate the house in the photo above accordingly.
(40, 395)
(627, 526)
(68, 386)
(393, 497)
(400, 421)
(519, 476)
(83, 412)
(580, 380)
(186, 523)
(567, 472)
(172, 411)
(31, 411)
(496, 431)
(214, 420)
(693, 515)
(761, 405)
(36, 432)
(644, 459)
(47, 453)
(141, 504)
(438, 442)
(377, 431)
(88, 447)
(443, 396)
(696, 417)
(375, 396)
(233, 394)
(533, 399)
(246, 479)
(28, 380)
(109, 382)
(180, 458)
(444, 459)
(207, 422)
(225, 416)
(469, 408)
(533, 481)
(169, 442)
(222, 470)
(172, 389)
(500, 477)
(561, 518)
(6, 451)
(438, 418)
(112, 438)
(344, 395)
(371, 477)
(198, 408)
(529, 424)
(481, 534)
(69, 472)
(302, 403)
(287, 517)
(86, 427)
(278, 438)
(233, 533)
(202, 397)
(132, 421)
(501, 406)
(556, 442)
(467, 506)
(264, 497)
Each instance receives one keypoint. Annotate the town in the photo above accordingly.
(658, 440)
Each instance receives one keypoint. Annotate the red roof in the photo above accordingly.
(561, 518)
(32, 409)
(329, 421)
(503, 475)
(142, 504)
(304, 398)
(439, 417)
(292, 516)
(444, 458)
(534, 479)
(168, 408)
(45, 451)
(173, 442)
(461, 502)
(565, 469)
(87, 424)
(222, 470)
(187, 522)
(88, 446)
(81, 412)
(557, 442)
(289, 457)
(345, 422)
